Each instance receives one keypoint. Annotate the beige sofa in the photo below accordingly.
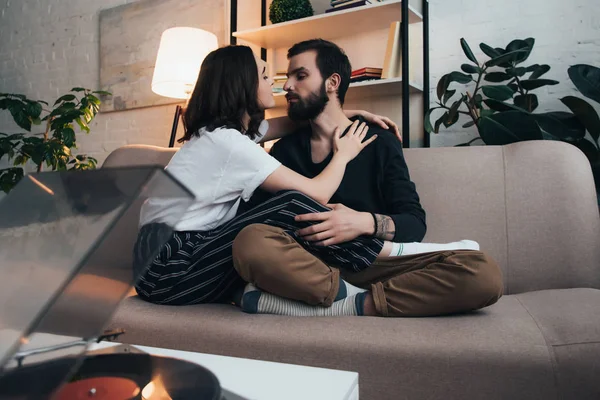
(530, 205)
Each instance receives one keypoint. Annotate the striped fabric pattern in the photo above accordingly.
(197, 267)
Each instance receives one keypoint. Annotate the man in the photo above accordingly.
(375, 198)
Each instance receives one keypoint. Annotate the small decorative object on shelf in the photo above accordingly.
(337, 5)
(287, 10)
(365, 74)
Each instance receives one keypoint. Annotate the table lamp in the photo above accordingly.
(178, 62)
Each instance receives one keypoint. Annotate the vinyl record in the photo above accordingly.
(115, 377)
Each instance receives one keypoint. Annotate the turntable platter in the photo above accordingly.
(121, 376)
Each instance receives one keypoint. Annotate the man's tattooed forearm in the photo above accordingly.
(385, 227)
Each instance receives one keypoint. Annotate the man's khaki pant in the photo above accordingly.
(420, 285)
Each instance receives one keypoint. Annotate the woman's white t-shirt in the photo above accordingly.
(220, 168)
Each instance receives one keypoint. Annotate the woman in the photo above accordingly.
(222, 165)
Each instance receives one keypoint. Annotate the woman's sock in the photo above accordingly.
(404, 249)
(347, 290)
(255, 301)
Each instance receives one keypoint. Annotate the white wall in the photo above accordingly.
(50, 46)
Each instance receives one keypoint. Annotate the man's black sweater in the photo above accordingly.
(377, 180)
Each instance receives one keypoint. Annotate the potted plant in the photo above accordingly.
(51, 148)
(502, 104)
(287, 10)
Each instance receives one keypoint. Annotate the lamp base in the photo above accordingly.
(175, 124)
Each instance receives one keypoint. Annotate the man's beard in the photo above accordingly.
(311, 108)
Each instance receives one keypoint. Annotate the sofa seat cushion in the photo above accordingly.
(513, 349)
(569, 319)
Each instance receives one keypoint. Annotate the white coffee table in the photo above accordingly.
(263, 380)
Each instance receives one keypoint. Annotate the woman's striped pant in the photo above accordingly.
(197, 267)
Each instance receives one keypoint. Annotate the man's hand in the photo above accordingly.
(339, 225)
(383, 122)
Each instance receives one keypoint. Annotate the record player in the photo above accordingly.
(60, 283)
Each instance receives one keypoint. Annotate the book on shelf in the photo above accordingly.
(368, 70)
(365, 73)
(362, 78)
(392, 63)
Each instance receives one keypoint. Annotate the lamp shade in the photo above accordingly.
(179, 58)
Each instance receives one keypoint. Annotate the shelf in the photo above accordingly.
(330, 26)
(365, 89)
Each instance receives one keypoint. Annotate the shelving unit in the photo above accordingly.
(335, 25)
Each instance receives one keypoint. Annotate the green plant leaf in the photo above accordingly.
(587, 80)
(561, 125)
(499, 92)
(538, 70)
(531, 84)
(470, 69)
(519, 44)
(21, 118)
(78, 89)
(489, 51)
(514, 87)
(442, 86)
(486, 113)
(469, 124)
(83, 125)
(585, 113)
(517, 71)
(9, 178)
(439, 122)
(467, 50)
(447, 79)
(501, 106)
(102, 93)
(496, 77)
(66, 97)
(508, 127)
(427, 121)
(93, 99)
(33, 109)
(527, 102)
(68, 137)
(588, 148)
(453, 112)
(508, 57)
(448, 95)
(478, 99)
(450, 119)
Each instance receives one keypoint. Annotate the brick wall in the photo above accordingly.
(50, 46)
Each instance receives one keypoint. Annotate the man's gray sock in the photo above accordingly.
(255, 301)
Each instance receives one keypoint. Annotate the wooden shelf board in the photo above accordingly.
(330, 25)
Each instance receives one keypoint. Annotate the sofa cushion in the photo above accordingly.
(513, 349)
(570, 322)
